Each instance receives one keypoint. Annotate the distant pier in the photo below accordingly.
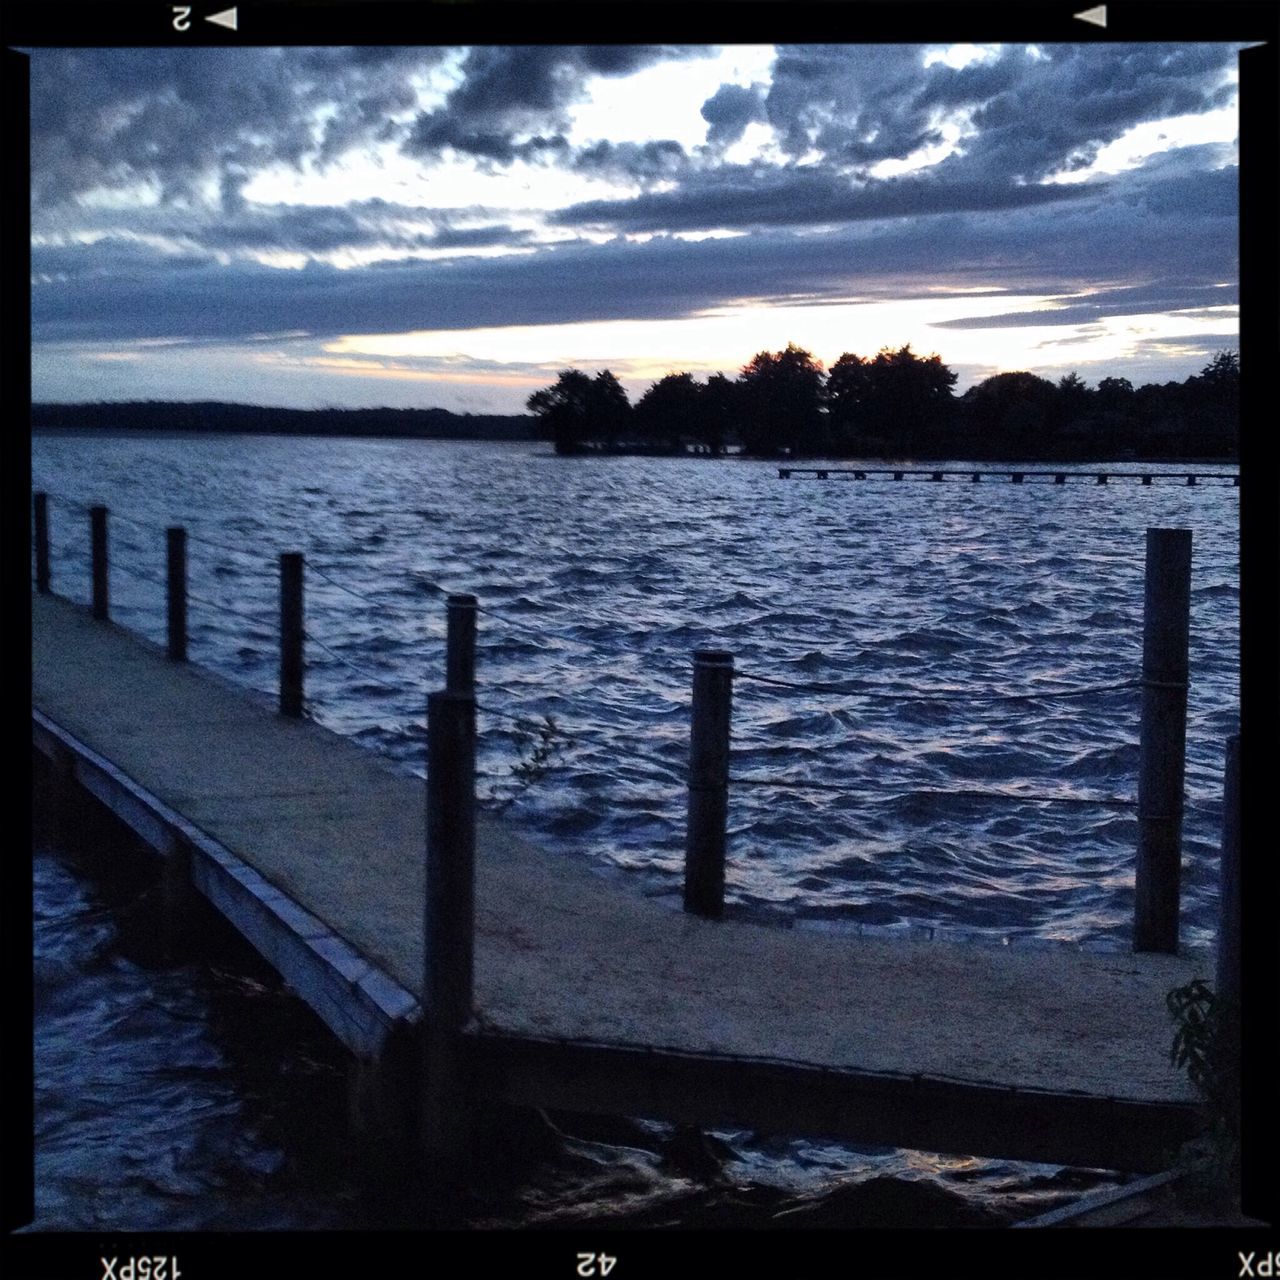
(974, 475)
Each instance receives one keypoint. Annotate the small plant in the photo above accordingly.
(537, 744)
(1205, 1045)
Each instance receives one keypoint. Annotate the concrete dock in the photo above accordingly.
(588, 997)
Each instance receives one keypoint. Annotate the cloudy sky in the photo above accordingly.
(452, 226)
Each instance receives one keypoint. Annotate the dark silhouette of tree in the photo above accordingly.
(909, 403)
(1223, 371)
(720, 412)
(1212, 400)
(670, 411)
(1011, 411)
(1115, 393)
(849, 387)
(565, 409)
(782, 403)
(609, 411)
(1075, 401)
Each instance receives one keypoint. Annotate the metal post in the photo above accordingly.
(291, 633)
(98, 555)
(705, 835)
(42, 543)
(460, 644)
(177, 593)
(1161, 764)
(1227, 983)
(448, 924)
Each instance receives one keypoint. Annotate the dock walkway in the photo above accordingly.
(591, 997)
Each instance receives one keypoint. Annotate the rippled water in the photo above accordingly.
(604, 574)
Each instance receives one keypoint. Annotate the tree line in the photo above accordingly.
(220, 416)
(894, 404)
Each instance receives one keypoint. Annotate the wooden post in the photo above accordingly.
(460, 644)
(937, 475)
(448, 927)
(1016, 477)
(177, 593)
(708, 814)
(976, 478)
(897, 475)
(42, 543)
(1161, 763)
(98, 556)
(291, 634)
(1146, 479)
(1060, 478)
(1227, 982)
(1102, 478)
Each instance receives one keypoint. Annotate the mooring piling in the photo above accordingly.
(1227, 980)
(460, 644)
(708, 813)
(98, 556)
(448, 925)
(1162, 750)
(42, 542)
(291, 634)
(176, 560)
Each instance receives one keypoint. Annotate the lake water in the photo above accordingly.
(911, 796)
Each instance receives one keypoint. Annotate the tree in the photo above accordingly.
(670, 410)
(720, 411)
(1213, 404)
(578, 408)
(909, 398)
(1223, 370)
(782, 402)
(609, 412)
(849, 387)
(1074, 400)
(1013, 410)
(565, 409)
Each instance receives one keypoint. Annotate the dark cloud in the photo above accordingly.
(512, 103)
(314, 230)
(729, 110)
(1169, 295)
(433, 134)
(632, 160)
(175, 119)
(1061, 107)
(852, 104)
(761, 197)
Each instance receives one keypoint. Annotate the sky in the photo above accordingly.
(452, 226)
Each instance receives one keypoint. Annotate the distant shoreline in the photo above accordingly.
(213, 419)
(217, 418)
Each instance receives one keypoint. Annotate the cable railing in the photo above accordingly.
(547, 744)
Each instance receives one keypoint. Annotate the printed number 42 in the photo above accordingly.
(595, 1264)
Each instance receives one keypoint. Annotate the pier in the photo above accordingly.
(974, 475)
(462, 966)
